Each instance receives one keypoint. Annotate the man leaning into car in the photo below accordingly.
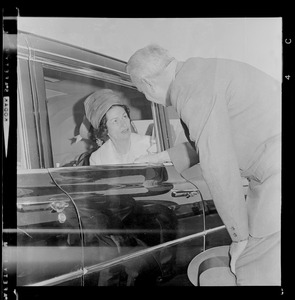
(233, 113)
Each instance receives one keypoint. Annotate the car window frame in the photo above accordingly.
(44, 128)
(26, 117)
(37, 59)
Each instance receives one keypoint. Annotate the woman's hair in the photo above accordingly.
(100, 135)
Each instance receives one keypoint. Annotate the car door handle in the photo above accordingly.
(58, 206)
(184, 193)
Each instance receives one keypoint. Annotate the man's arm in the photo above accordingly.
(221, 172)
(183, 156)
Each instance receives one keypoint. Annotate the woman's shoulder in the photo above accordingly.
(103, 147)
(95, 157)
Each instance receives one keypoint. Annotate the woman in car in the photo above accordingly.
(110, 119)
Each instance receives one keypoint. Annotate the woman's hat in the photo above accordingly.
(211, 268)
(98, 103)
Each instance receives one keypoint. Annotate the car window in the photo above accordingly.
(65, 96)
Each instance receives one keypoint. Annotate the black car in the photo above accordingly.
(109, 225)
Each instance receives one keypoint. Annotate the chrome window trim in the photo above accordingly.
(163, 134)
(75, 60)
(32, 171)
(59, 279)
(85, 72)
(121, 259)
(155, 114)
(21, 120)
(32, 79)
(81, 70)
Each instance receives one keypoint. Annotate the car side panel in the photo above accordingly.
(128, 208)
(48, 232)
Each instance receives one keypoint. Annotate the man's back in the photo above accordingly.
(233, 112)
(253, 100)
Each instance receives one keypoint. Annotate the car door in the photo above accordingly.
(145, 190)
(126, 224)
(129, 215)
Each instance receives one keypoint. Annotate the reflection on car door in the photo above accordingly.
(126, 209)
(48, 233)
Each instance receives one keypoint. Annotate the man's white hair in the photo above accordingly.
(147, 62)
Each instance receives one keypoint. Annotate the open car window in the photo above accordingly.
(65, 96)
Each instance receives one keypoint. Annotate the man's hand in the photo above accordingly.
(156, 158)
(235, 251)
(149, 158)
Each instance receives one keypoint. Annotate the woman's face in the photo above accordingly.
(118, 123)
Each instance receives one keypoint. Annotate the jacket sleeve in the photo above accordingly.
(220, 170)
(183, 156)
